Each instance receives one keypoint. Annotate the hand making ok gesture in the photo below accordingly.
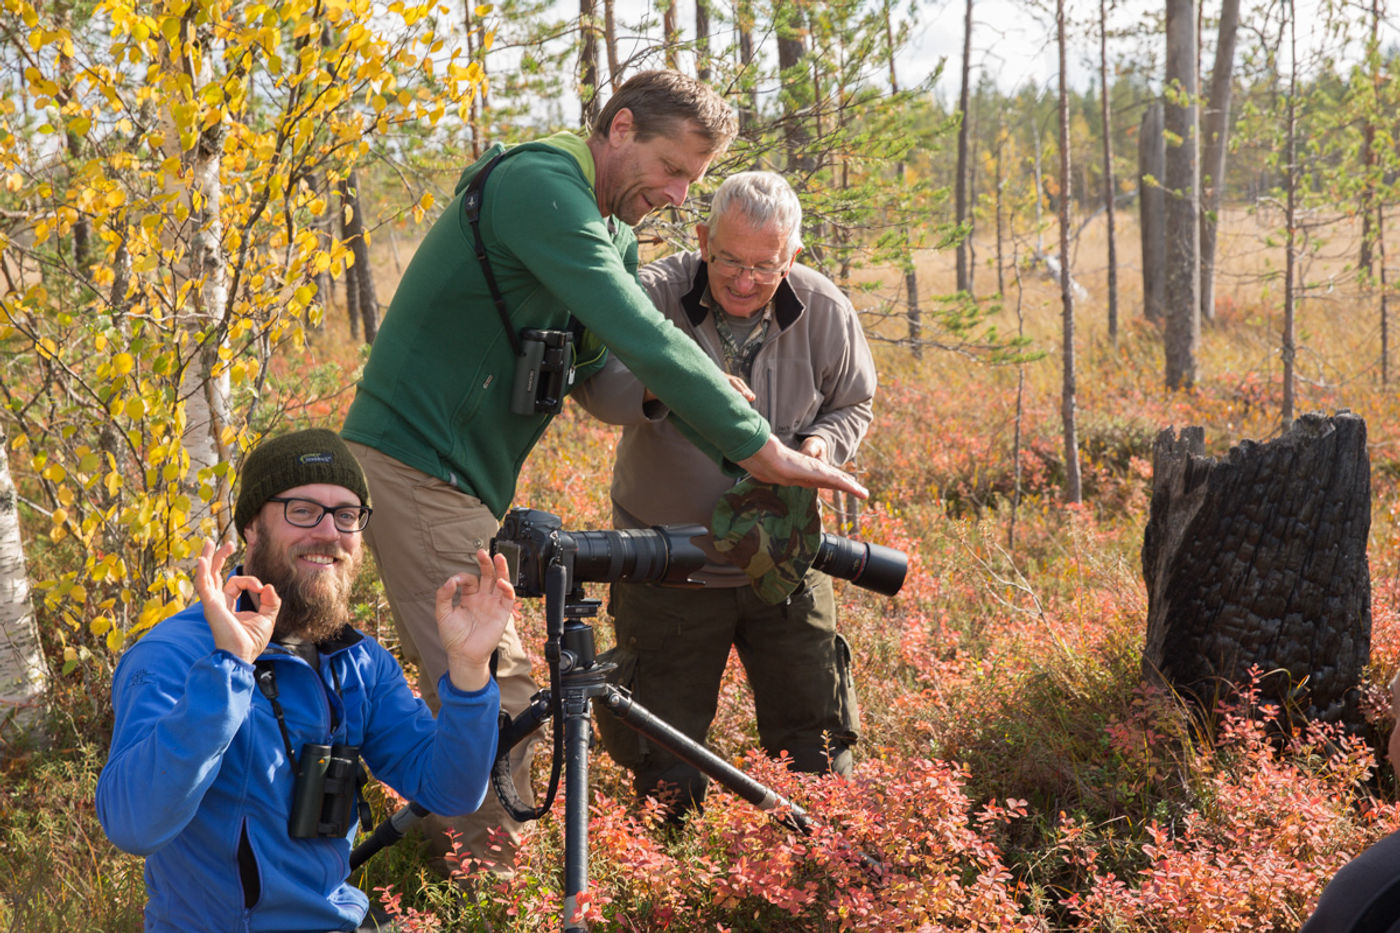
(243, 634)
(472, 612)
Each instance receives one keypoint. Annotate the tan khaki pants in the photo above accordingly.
(423, 531)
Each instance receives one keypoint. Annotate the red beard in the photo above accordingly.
(314, 606)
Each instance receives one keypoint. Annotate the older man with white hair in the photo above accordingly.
(791, 342)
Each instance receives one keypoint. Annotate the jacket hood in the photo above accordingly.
(568, 143)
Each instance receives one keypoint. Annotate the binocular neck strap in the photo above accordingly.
(266, 677)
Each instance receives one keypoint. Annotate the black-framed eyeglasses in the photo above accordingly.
(762, 274)
(305, 513)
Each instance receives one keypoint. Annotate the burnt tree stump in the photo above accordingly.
(1260, 559)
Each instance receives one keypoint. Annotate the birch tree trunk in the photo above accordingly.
(204, 386)
(475, 52)
(325, 235)
(24, 678)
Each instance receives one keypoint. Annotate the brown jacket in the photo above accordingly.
(813, 375)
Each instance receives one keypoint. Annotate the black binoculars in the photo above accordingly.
(326, 792)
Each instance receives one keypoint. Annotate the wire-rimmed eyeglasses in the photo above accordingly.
(304, 513)
(762, 274)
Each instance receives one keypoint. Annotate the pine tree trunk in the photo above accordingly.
(1109, 183)
(1385, 290)
(702, 40)
(1181, 121)
(352, 307)
(914, 315)
(360, 277)
(1152, 212)
(610, 43)
(1260, 560)
(1215, 142)
(1370, 157)
(24, 679)
(1288, 348)
(796, 90)
(743, 24)
(998, 191)
(960, 182)
(671, 33)
(588, 62)
(1068, 404)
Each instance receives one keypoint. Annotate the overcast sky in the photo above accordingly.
(1015, 41)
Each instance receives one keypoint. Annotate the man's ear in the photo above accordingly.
(623, 127)
(702, 236)
(250, 532)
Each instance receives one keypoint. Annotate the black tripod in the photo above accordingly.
(576, 679)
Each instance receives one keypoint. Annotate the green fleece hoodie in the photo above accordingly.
(436, 390)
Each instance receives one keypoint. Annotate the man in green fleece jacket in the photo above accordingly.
(432, 422)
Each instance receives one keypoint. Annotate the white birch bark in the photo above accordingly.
(23, 673)
(206, 395)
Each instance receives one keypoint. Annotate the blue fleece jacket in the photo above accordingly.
(198, 779)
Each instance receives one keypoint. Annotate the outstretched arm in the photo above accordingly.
(472, 612)
(776, 463)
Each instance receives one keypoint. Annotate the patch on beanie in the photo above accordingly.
(316, 458)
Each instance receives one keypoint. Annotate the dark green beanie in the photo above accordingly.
(297, 459)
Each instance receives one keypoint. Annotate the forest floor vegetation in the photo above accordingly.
(1013, 772)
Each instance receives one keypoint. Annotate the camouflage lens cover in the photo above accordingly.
(770, 532)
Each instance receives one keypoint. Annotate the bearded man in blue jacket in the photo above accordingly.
(227, 712)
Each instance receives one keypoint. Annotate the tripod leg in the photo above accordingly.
(684, 747)
(577, 735)
(687, 749)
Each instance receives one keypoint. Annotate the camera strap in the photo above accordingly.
(471, 206)
(472, 199)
